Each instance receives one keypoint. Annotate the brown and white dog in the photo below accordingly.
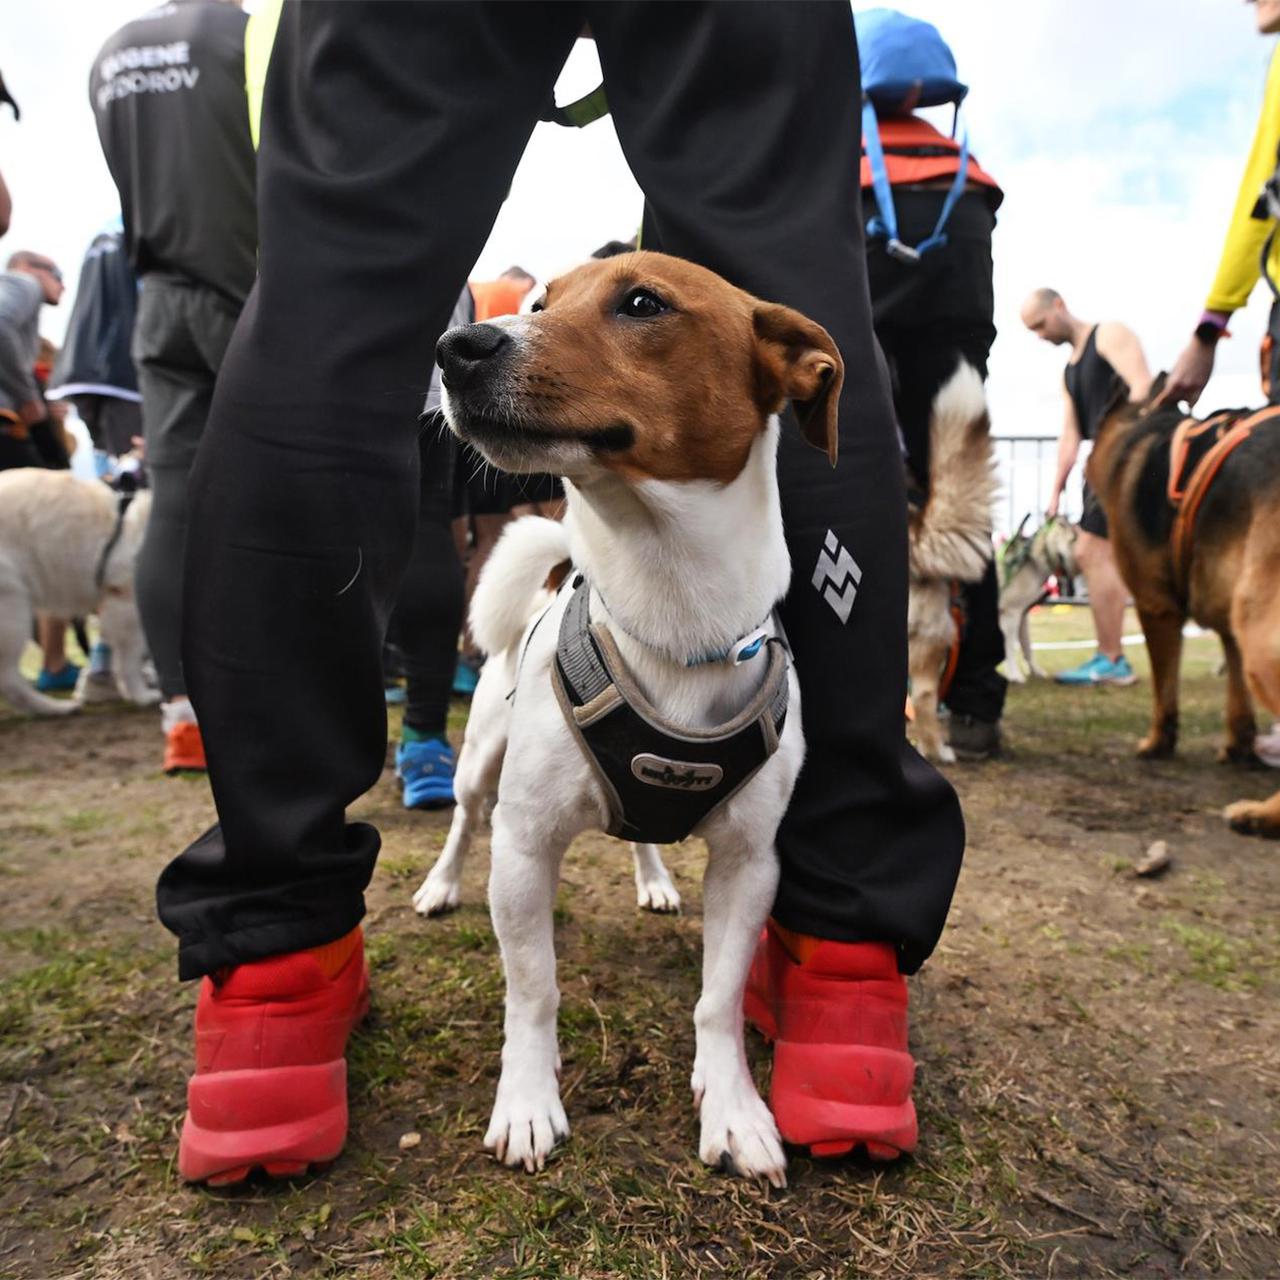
(949, 541)
(654, 387)
(61, 552)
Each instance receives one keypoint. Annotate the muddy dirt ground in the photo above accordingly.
(1099, 1083)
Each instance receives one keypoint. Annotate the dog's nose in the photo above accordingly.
(462, 352)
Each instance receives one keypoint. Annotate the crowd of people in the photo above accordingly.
(213, 337)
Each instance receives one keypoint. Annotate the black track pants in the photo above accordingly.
(429, 607)
(740, 122)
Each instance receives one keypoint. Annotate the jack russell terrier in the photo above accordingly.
(651, 695)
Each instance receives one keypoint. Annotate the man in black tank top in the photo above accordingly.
(1102, 357)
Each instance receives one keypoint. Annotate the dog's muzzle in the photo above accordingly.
(466, 354)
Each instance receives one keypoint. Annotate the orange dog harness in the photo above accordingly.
(1185, 497)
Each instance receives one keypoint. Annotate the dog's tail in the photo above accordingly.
(951, 534)
(515, 580)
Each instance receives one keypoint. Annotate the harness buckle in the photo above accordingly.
(902, 252)
(748, 647)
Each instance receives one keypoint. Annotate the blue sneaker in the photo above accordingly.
(465, 679)
(63, 681)
(1118, 672)
(426, 769)
(1099, 670)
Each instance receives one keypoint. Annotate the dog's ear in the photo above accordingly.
(797, 360)
(1022, 524)
(1156, 390)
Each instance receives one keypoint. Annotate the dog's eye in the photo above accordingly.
(541, 304)
(641, 304)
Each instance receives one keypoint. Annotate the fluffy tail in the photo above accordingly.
(951, 535)
(514, 580)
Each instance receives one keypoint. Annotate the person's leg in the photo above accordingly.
(1108, 596)
(977, 692)
(427, 619)
(56, 673)
(389, 135)
(181, 333)
(740, 123)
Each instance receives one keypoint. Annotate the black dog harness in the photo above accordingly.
(661, 780)
(124, 500)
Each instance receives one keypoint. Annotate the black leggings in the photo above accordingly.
(429, 606)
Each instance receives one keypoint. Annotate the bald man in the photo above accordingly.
(1102, 356)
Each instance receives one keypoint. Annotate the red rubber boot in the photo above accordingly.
(270, 1088)
(837, 1015)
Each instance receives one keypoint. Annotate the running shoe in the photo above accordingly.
(1118, 672)
(184, 748)
(62, 681)
(837, 1015)
(270, 1086)
(1100, 670)
(426, 769)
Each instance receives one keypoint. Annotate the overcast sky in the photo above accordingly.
(1118, 129)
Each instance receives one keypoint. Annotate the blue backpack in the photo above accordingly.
(905, 64)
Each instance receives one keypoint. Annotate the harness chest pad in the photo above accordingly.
(661, 780)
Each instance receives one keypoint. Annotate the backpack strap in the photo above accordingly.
(885, 221)
(957, 190)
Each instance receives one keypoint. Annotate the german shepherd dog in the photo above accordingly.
(1212, 555)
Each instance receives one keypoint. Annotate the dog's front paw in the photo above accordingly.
(526, 1125)
(1252, 818)
(436, 895)
(1240, 753)
(739, 1134)
(657, 894)
(1156, 747)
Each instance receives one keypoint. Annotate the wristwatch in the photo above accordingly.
(1212, 327)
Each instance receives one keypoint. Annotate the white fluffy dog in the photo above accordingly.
(57, 555)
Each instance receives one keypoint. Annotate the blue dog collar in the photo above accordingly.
(740, 651)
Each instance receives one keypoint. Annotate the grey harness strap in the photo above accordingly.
(661, 780)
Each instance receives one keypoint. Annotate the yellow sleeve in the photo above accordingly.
(259, 36)
(1239, 268)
